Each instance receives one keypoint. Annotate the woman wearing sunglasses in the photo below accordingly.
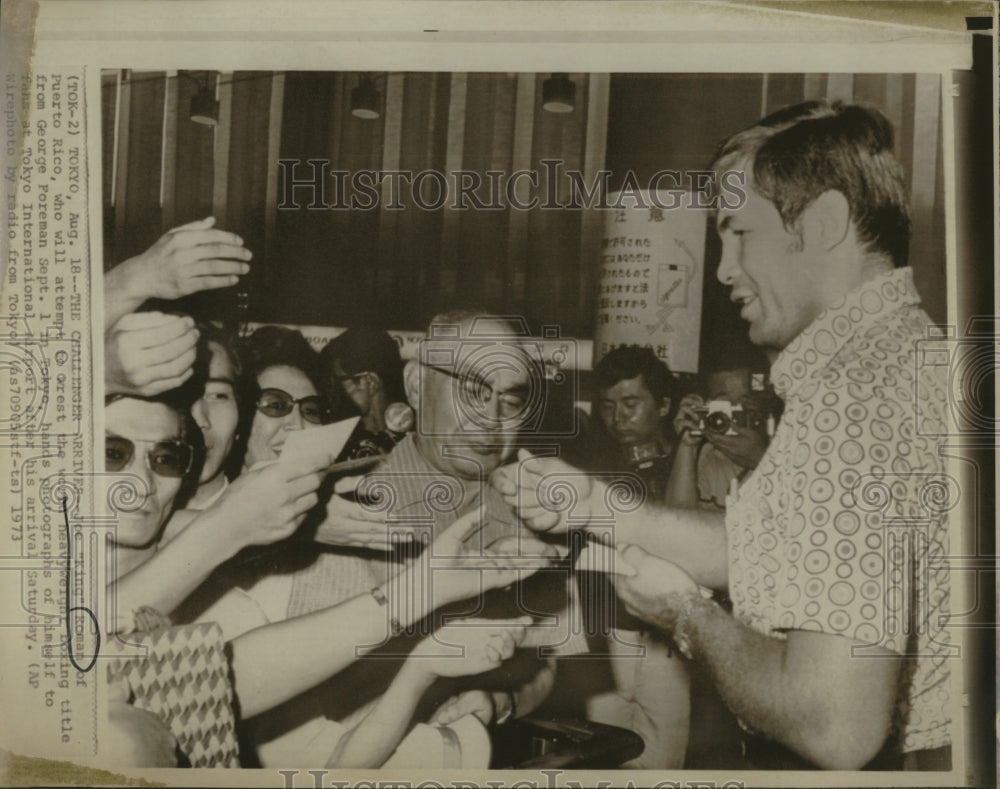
(279, 393)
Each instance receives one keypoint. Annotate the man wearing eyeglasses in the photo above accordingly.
(475, 386)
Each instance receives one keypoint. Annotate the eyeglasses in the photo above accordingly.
(277, 403)
(166, 458)
(476, 393)
(353, 379)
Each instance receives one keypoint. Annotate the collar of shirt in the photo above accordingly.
(820, 341)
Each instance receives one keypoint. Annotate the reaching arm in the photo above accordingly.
(375, 738)
(483, 646)
(807, 692)
(261, 507)
(536, 489)
(185, 260)
(267, 672)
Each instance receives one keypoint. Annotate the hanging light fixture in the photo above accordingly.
(365, 99)
(559, 94)
(204, 107)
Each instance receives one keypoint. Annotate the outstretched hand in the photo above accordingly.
(353, 524)
(185, 260)
(469, 646)
(147, 353)
(655, 590)
(270, 501)
(545, 491)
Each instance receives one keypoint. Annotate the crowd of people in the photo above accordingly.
(396, 591)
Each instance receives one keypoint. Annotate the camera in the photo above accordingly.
(720, 416)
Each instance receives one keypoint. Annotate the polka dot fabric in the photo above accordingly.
(842, 528)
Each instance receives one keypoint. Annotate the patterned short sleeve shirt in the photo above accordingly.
(842, 528)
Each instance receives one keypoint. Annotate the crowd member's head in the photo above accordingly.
(363, 365)
(825, 209)
(279, 392)
(154, 440)
(215, 405)
(635, 392)
(473, 386)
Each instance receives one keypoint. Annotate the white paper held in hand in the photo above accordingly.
(313, 441)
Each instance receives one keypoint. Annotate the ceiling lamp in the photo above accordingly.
(558, 94)
(204, 107)
(365, 100)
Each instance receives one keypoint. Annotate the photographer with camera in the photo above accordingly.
(719, 439)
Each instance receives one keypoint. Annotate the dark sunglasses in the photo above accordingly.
(277, 403)
(166, 458)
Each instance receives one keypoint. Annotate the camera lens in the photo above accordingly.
(718, 422)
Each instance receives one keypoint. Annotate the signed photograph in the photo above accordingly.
(598, 400)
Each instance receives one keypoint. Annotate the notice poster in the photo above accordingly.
(652, 269)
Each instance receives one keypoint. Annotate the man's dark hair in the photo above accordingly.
(802, 151)
(365, 349)
(630, 361)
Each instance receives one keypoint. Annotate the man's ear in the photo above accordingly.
(827, 220)
(411, 382)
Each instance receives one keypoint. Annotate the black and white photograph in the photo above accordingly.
(626, 424)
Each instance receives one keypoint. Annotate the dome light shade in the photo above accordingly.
(365, 100)
(204, 108)
(559, 94)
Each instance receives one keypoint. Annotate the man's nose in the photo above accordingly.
(145, 471)
(621, 413)
(728, 269)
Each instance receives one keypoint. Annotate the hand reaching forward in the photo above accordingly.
(146, 353)
(353, 524)
(469, 646)
(657, 588)
(546, 491)
(188, 259)
(460, 570)
(269, 502)
(185, 260)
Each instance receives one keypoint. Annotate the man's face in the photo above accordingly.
(630, 412)
(216, 412)
(731, 385)
(357, 387)
(469, 420)
(144, 424)
(774, 281)
(268, 433)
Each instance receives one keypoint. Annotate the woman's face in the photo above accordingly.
(137, 435)
(216, 412)
(268, 433)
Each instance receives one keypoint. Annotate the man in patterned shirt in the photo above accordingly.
(833, 550)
